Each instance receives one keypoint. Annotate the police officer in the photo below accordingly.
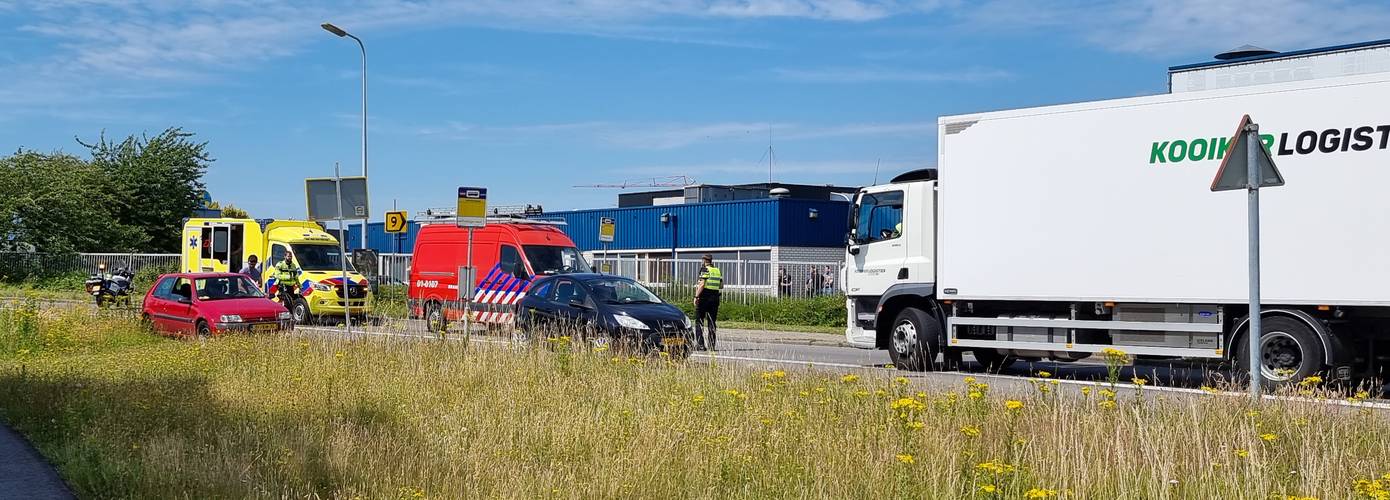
(287, 276)
(707, 301)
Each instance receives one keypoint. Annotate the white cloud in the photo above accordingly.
(878, 74)
(652, 136)
(1182, 27)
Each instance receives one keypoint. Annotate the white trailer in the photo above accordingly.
(1059, 231)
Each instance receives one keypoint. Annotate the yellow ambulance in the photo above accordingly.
(224, 245)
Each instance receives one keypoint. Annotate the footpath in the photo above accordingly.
(24, 474)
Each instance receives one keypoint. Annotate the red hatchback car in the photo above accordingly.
(208, 304)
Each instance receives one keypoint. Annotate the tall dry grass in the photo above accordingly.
(124, 414)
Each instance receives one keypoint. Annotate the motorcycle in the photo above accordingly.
(109, 289)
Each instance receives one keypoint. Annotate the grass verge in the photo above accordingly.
(126, 414)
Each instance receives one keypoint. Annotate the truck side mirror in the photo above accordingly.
(852, 248)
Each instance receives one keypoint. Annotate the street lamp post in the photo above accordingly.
(329, 27)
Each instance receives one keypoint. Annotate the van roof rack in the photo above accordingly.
(499, 215)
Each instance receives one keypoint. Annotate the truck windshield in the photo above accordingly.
(878, 217)
(319, 257)
(556, 260)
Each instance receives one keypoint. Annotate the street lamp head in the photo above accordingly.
(329, 27)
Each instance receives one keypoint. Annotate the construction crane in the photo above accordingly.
(668, 181)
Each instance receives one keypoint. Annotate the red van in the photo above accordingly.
(507, 256)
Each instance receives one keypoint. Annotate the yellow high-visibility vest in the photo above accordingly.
(714, 280)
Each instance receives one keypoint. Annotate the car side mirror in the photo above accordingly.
(185, 300)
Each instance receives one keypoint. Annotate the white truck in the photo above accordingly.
(1057, 232)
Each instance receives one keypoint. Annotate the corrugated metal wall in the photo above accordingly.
(764, 222)
(381, 241)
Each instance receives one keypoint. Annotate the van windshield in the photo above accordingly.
(319, 258)
(556, 260)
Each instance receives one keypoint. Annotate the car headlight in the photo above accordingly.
(323, 287)
(231, 318)
(687, 322)
(630, 322)
(284, 315)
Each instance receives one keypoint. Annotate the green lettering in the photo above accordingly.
(1156, 153)
(1177, 151)
(1225, 144)
(1197, 150)
(1268, 140)
(1212, 150)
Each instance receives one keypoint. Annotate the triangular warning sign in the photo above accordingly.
(1235, 167)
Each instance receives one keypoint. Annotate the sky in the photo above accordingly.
(531, 98)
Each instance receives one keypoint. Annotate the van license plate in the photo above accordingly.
(264, 328)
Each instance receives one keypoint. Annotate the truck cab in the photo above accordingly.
(224, 245)
(891, 254)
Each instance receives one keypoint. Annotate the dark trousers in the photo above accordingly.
(707, 309)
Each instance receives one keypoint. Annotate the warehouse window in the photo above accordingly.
(878, 217)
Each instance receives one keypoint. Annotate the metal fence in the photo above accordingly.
(19, 266)
(745, 281)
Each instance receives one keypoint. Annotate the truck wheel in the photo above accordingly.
(914, 340)
(1290, 350)
(993, 360)
(435, 321)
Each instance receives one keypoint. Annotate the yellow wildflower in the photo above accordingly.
(849, 378)
(1139, 381)
(1268, 437)
(900, 381)
(1040, 493)
(1086, 391)
(970, 430)
(988, 488)
(1044, 374)
(969, 380)
(1013, 405)
(1208, 389)
(996, 468)
(907, 459)
(1242, 453)
(976, 395)
(697, 399)
(1107, 404)
(915, 425)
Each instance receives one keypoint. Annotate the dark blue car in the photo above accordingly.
(602, 308)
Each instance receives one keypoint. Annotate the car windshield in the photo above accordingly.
(621, 291)
(556, 260)
(319, 258)
(227, 287)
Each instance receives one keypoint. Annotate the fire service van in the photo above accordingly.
(507, 254)
(1058, 232)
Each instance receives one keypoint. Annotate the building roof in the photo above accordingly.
(1280, 55)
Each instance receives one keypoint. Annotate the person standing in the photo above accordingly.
(828, 281)
(816, 281)
(707, 302)
(784, 281)
(252, 270)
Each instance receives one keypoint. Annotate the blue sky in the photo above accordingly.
(530, 98)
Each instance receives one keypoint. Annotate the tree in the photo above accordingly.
(156, 182)
(59, 204)
(229, 210)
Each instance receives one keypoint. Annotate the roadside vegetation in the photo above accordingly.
(126, 414)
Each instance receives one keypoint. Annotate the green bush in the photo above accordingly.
(146, 276)
(814, 311)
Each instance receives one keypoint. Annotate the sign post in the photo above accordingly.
(606, 230)
(471, 213)
(329, 198)
(1247, 165)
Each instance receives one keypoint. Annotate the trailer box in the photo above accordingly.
(1111, 200)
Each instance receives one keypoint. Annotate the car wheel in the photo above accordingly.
(914, 340)
(435, 321)
(1289, 349)
(204, 331)
(146, 323)
(992, 360)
